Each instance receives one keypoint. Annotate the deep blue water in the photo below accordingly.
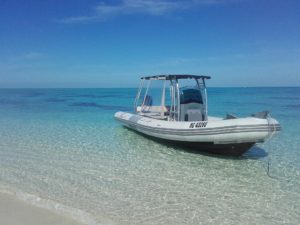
(63, 145)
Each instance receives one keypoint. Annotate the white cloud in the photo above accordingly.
(104, 11)
(151, 7)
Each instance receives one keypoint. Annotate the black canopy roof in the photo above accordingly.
(175, 76)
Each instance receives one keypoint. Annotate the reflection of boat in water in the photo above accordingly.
(182, 117)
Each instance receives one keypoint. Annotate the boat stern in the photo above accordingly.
(274, 126)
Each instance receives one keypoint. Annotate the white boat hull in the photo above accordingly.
(223, 136)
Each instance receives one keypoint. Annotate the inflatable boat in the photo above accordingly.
(182, 117)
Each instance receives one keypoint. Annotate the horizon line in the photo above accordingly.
(137, 87)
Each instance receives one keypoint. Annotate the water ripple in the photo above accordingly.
(100, 106)
(55, 100)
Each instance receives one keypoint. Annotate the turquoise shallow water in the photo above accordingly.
(61, 149)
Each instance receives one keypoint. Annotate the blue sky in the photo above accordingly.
(88, 43)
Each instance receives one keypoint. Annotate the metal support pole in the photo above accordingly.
(138, 95)
(206, 103)
(172, 100)
(146, 93)
(178, 101)
(163, 100)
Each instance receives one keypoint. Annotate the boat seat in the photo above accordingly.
(148, 100)
(191, 112)
(153, 111)
(154, 108)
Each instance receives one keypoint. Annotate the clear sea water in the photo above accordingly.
(61, 149)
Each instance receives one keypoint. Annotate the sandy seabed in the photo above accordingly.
(16, 212)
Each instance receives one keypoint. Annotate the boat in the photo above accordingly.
(181, 117)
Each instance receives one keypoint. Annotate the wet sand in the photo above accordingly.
(16, 212)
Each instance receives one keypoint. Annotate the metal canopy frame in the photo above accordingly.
(174, 113)
(175, 76)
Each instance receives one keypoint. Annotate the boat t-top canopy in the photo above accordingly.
(187, 100)
(175, 77)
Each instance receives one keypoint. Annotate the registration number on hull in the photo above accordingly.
(198, 124)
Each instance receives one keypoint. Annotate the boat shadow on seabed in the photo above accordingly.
(254, 152)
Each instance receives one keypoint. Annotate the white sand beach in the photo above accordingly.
(16, 212)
